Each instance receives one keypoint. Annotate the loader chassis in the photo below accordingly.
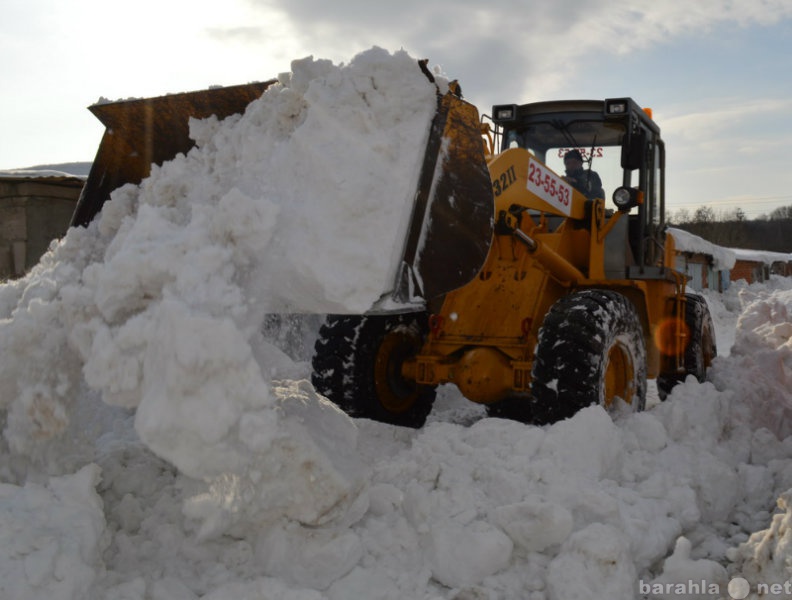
(577, 302)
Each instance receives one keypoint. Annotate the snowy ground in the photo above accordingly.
(157, 446)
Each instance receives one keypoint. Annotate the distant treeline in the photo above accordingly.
(733, 230)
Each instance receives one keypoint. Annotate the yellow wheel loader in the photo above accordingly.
(577, 302)
(524, 288)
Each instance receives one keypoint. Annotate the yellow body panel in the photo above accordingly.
(510, 173)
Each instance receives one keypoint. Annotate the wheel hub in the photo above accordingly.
(619, 375)
(396, 393)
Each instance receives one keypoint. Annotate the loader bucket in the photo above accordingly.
(451, 229)
(150, 130)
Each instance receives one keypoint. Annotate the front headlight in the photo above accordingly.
(625, 198)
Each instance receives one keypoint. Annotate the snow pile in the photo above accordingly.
(51, 537)
(158, 305)
(135, 372)
(763, 353)
(681, 573)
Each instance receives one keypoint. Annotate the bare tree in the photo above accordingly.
(704, 214)
(678, 217)
(782, 213)
(734, 230)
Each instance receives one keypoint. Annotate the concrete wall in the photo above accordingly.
(33, 212)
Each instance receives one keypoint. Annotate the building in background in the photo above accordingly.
(707, 265)
(756, 266)
(36, 207)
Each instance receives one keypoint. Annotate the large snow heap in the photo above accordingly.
(298, 205)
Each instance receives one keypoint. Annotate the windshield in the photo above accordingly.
(599, 144)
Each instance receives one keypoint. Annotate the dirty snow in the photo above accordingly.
(158, 446)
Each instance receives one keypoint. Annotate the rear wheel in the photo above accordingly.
(358, 361)
(701, 348)
(516, 408)
(590, 351)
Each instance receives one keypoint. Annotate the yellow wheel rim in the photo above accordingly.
(619, 375)
(396, 394)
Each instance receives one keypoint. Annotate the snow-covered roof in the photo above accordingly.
(27, 175)
(762, 256)
(72, 170)
(722, 258)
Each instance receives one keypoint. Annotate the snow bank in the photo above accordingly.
(299, 205)
(766, 558)
(51, 537)
(762, 353)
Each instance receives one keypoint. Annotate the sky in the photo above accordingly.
(715, 72)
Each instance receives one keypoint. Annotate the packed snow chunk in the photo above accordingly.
(766, 557)
(761, 370)
(687, 578)
(587, 444)
(463, 555)
(308, 557)
(334, 154)
(39, 373)
(594, 562)
(359, 146)
(650, 435)
(200, 381)
(263, 588)
(297, 460)
(51, 537)
(534, 524)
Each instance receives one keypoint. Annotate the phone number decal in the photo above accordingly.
(586, 153)
(549, 187)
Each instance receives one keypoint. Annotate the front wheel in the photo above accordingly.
(357, 365)
(591, 350)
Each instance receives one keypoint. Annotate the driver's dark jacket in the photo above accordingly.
(587, 182)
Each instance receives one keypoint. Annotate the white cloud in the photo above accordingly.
(501, 51)
(539, 45)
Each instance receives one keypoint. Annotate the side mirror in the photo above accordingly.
(634, 150)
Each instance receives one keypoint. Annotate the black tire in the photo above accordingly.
(591, 350)
(357, 365)
(701, 349)
(516, 408)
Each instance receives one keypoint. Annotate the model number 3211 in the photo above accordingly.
(504, 181)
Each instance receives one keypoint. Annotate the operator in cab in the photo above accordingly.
(586, 181)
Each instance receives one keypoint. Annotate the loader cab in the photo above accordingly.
(617, 139)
